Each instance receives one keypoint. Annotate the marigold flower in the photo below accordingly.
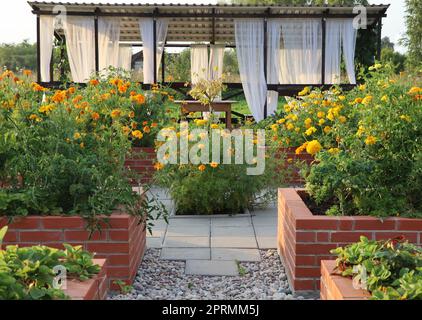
(370, 140)
(158, 166)
(201, 168)
(367, 100)
(301, 148)
(313, 147)
(27, 73)
(116, 113)
(47, 109)
(415, 90)
(139, 99)
(214, 165)
(327, 129)
(334, 150)
(126, 130)
(95, 116)
(310, 131)
(94, 82)
(77, 136)
(147, 129)
(137, 134)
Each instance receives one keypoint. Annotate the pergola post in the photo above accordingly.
(379, 39)
(38, 49)
(266, 62)
(163, 65)
(97, 50)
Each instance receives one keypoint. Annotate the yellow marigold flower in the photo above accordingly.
(158, 166)
(47, 109)
(34, 117)
(301, 148)
(281, 121)
(304, 92)
(126, 130)
(334, 150)
(274, 127)
(290, 126)
(201, 168)
(308, 122)
(321, 114)
(77, 136)
(327, 129)
(137, 134)
(342, 98)
(201, 122)
(214, 165)
(214, 126)
(287, 108)
(321, 122)
(313, 147)
(342, 119)
(384, 99)
(415, 90)
(370, 140)
(361, 131)
(310, 131)
(406, 118)
(362, 87)
(358, 100)
(116, 113)
(82, 145)
(367, 100)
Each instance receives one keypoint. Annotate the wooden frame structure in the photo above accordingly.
(204, 24)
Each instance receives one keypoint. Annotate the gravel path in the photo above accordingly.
(166, 280)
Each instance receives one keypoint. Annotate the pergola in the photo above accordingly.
(206, 24)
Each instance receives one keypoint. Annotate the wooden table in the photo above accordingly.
(188, 106)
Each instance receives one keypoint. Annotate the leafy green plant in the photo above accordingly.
(123, 287)
(28, 273)
(390, 270)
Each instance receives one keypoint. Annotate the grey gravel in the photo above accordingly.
(166, 280)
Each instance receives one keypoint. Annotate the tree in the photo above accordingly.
(389, 55)
(18, 56)
(413, 37)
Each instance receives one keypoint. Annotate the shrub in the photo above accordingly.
(28, 273)
(390, 270)
(63, 152)
(217, 188)
(367, 145)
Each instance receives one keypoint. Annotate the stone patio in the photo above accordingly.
(213, 246)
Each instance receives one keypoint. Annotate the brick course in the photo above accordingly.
(304, 239)
(121, 241)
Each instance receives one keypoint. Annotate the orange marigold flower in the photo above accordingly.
(132, 114)
(158, 166)
(154, 125)
(94, 82)
(27, 73)
(116, 113)
(202, 168)
(147, 129)
(214, 165)
(95, 116)
(59, 96)
(139, 99)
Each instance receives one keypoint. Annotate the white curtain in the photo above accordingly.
(147, 32)
(273, 62)
(349, 35)
(250, 54)
(216, 62)
(301, 53)
(46, 43)
(108, 42)
(333, 52)
(80, 41)
(125, 58)
(340, 35)
(199, 62)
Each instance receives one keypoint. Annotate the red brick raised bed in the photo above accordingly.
(336, 287)
(92, 289)
(141, 162)
(304, 239)
(121, 241)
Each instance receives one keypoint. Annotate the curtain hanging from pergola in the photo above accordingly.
(47, 41)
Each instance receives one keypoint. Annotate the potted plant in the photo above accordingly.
(366, 176)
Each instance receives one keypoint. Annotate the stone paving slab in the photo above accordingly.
(154, 243)
(231, 222)
(243, 255)
(187, 242)
(187, 222)
(265, 243)
(247, 231)
(189, 231)
(211, 268)
(265, 231)
(234, 242)
(264, 221)
(185, 254)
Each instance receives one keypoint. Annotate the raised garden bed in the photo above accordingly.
(336, 287)
(305, 239)
(92, 289)
(121, 241)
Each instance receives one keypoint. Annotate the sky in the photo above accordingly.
(17, 22)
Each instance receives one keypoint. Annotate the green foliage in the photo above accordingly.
(18, 56)
(412, 39)
(123, 287)
(390, 270)
(28, 273)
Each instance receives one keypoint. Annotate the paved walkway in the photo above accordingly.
(214, 245)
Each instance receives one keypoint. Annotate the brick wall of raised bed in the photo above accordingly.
(141, 163)
(121, 241)
(304, 239)
(143, 159)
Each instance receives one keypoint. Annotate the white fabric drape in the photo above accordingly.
(80, 41)
(147, 32)
(349, 35)
(250, 54)
(340, 34)
(125, 58)
(301, 53)
(216, 64)
(199, 63)
(46, 44)
(273, 62)
(108, 42)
